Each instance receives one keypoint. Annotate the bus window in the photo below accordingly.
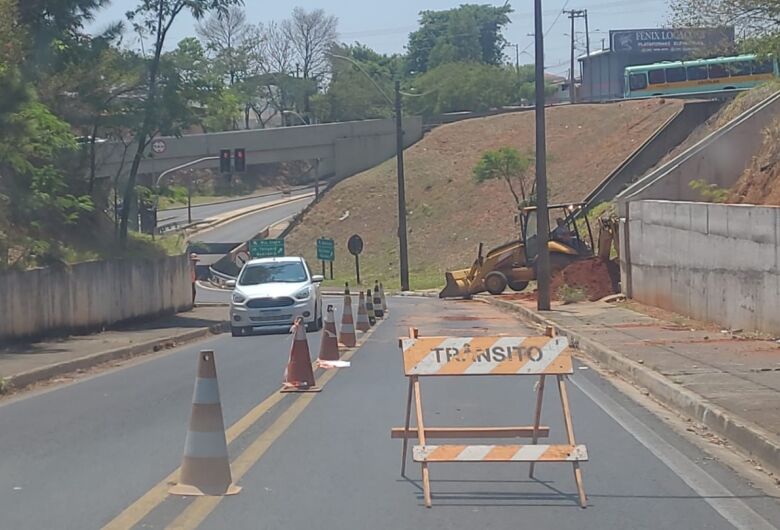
(656, 77)
(718, 71)
(763, 67)
(675, 75)
(637, 81)
(697, 73)
(739, 69)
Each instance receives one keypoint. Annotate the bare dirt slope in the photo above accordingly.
(449, 213)
(760, 183)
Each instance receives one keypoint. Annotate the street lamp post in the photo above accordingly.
(399, 150)
(542, 216)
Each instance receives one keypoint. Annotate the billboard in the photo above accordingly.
(681, 41)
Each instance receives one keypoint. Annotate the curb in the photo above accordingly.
(44, 373)
(750, 439)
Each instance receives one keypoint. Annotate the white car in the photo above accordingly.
(274, 292)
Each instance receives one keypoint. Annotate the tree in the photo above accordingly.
(311, 34)
(465, 87)
(227, 36)
(757, 21)
(509, 165)
(155, 18)
(351, 93)
(469, 33)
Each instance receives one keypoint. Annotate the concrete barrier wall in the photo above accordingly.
(667, 137)
(720, 159)
(713, 262)
(89, 296)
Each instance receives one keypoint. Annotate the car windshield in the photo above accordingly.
(290, 272)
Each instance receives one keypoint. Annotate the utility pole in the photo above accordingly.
(573, 15)
(517, 58)
(572, 96)
(542, 217)
(399, 150)
(587, 54)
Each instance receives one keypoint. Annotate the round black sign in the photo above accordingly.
(355, 245)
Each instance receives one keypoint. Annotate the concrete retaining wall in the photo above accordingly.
(719, 159)
(89, 296)
(713, 262)
(667, 137)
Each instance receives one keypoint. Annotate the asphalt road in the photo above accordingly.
(80, 455)
(205, 211)
(246, 227)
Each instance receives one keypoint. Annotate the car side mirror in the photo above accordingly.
(230, 283)
(318, 278)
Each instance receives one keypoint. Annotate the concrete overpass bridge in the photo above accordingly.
(343, 149)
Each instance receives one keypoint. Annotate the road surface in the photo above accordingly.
(246, 227)
(205, 211)
(101, 450)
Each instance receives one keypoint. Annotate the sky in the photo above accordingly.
(385, 26)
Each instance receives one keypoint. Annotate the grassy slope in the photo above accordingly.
(449, 214)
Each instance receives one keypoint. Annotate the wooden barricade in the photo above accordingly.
(486, 356)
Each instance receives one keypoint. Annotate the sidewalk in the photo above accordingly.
(23, 364)
(728, 383)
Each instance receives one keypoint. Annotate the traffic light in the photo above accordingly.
(240, 156)
(225, 160)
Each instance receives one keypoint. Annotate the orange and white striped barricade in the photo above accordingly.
(488, 356)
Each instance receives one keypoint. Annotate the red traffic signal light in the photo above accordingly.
(240, 156)
(225, 160)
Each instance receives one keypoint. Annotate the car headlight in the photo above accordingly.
(303, 294)
(238, 298)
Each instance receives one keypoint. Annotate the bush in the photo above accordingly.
(571, 295)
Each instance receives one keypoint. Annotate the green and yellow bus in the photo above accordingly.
(699, 76)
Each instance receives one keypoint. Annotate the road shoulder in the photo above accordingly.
(25, 364)
(690, 371)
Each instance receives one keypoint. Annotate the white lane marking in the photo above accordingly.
(713, 492)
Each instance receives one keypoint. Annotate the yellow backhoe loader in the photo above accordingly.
(513, 264)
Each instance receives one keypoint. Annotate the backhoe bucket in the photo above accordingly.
(457, 285)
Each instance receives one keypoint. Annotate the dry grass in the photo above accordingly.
(449, 213)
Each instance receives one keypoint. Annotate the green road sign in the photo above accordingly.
(326, 250)
(266, 248)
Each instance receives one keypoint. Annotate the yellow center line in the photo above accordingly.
(194, 515)
(133, 514)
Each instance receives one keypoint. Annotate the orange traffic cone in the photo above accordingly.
(329, 347)
(205, 467)
(362, 323)
(382, 296)
(370, 308)
(347, 334)
(378, 311)
(299, 375)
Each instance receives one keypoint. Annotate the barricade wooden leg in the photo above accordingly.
(421, 436)
(406, 428)
(570, 436)
(537, 419)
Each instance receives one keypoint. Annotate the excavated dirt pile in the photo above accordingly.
(594, 276)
